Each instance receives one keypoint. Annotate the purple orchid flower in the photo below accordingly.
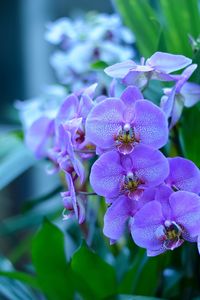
(122, 210)
(164, 224)
(158, 66)
(125, 122)
(70, 133)
(73, 108)
(75, 207)
(73, 114)
(182, 94)
(183, 175)
(67, 158)
(114, 174)
(42, 134)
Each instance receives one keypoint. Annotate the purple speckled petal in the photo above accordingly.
(71, 203)
(149, 165)
(104, 121)
(162, 195)
(81, 211)
(150, 124)
(117, 215)
(152, 253)
(191, 93)
(143, 68)
(106, 175)
(90, 91)
(184, 175)
(186, 211)
(146, 222)
(177, 110)
(185, 76)
(120, 70)
(137, 78)
(72, 126)
(72, 194)
(65, 143)
(157, 75)
(112, 88)
(130, 95)
(167, 102)
(68, 109)
(168, 63)
(38, 135)
(86, 104)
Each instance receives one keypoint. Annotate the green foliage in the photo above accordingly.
(189, 134)
(90, 277)
(166, 26)
(53, 272)
(15, 159)
(140, 17)
(12, 285)
(98, 275)
(99, 65)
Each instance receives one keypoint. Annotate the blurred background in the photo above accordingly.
(24, 73)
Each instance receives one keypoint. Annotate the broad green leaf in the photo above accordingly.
(98, 275)
(15, 159)
(189, 134)
(49, 259)
(141, 19)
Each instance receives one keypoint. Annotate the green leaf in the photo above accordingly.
(23, 277)
(142, 20)
(97, 275)
(15, 159)
(171, 286)
(143, 277)
(189, 134)
(99, 65)
(130, 280)
(49, 259)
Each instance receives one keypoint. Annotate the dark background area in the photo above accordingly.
(24, 54)
(24, 72)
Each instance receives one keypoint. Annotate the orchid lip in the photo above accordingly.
(126, 139)
(130, 186)
(170, 235)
